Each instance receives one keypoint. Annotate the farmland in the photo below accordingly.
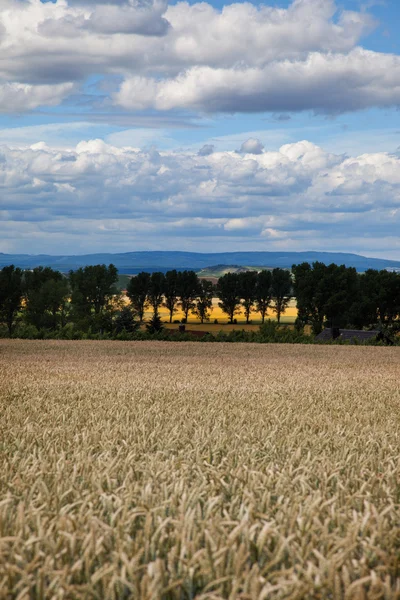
(288, 317)
(179, 471)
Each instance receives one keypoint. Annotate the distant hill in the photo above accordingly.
(134, 262)
(217, 271)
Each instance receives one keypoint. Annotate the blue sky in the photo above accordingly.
(140, 126)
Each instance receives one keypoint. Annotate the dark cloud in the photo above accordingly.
(282, 117)
(206, 150)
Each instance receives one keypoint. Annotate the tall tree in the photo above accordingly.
(188, 289)
(171, 292)
(339, 290)
(379, 298)
(138, 292)
(248, 285)
(156, 290)
(46, 294)
(263, 292)
(56, 292)
(204, 300)
(228, 292)
(93, 290)
(326, 292)
(10, 295)
(310, 305)
(281, 291)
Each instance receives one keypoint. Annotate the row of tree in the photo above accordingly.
(88, 297)
(252, 291)
(338, 296)
(47, 299)
(327, 295)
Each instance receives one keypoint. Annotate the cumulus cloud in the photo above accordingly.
(324, 83)
(18, 97)
(141, 18)
(251, 146)
(102, 196)
(196, 57)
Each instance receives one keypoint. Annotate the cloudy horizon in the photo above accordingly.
(143, 125)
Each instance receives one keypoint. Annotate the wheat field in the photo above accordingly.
(158, 470)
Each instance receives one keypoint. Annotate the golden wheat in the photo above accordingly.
(159, 470)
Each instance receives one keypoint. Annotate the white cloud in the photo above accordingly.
(144, 18)
(240, 58)
(103, 196)
(252, 146)
(20, 97)
(326, 83)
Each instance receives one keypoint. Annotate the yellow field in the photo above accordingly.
(169, 471)
(289, 316)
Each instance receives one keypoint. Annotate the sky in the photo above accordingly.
(146, 125)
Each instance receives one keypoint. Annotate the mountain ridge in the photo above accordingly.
(133, 262)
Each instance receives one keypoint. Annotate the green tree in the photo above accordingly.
(171, 292)
(155, 324)
(339, 289)
(325, 292)
(203, 305)
(188, 289)
(138, 292)
(156, 290)
(248, 285)
(11, 291)
(228, 292)
(310, 306)
(93, 294)
(46, 295)
(378, 299)
(281, 291)
(56, 292)
(125, 321)
(263, 293)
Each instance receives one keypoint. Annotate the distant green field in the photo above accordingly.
(123, 281)
(220, 270)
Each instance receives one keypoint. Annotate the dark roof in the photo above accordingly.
(348, 335)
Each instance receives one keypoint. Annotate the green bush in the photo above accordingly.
(25, 331)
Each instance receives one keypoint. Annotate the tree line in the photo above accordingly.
(338, 296)
(88, 299)
(251, 291)
(46, 299)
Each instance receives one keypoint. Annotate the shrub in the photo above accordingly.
(155, 324)
(25, 331)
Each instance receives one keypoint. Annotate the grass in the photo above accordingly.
(180, 471)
